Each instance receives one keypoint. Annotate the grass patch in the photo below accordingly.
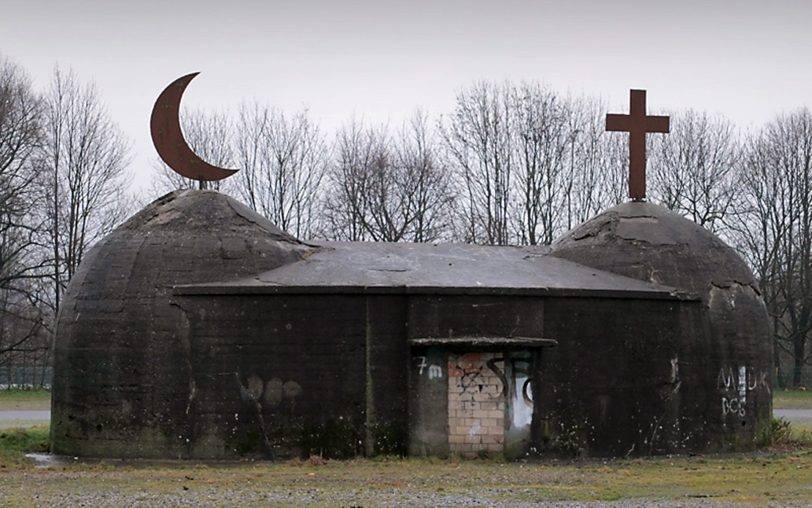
(800, 435)
(15, 442)
(782, 434)
(11, 400)
(792, 399)
(779, 478)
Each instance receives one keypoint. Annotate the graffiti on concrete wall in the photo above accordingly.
(476, 407)
(735, 383)
(470, 374)
(433, 371)
(490, 400)
(260, 394)
(519, 368)
(272, 393)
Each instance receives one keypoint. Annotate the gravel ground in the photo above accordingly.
(783, 479)
(265, 495)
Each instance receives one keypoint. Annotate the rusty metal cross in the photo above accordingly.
(637, 124)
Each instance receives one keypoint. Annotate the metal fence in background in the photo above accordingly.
(29, 377)
(783, 377)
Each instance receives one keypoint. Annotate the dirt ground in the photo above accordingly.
(763, 479)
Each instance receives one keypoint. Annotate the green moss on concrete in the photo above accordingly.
(389, 438)
(335, 438)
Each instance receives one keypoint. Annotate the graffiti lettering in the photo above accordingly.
(725, 379)
(734, 383)
(520, 368)
(271, 393)
(421, 364)
(472, 375)
(763, 381)
(732, 406)
(743, 380)
(435, 372)
(499, 372)
(471, 378)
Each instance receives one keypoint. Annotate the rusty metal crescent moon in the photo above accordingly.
(168, 137)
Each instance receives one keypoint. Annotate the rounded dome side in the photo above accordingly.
(648, 242)
(122, 380)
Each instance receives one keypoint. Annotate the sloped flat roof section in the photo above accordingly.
(530, 342)
(361, 267)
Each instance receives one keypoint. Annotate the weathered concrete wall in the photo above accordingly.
(627, 378)
(483, 316)
(293, 375)
(277, 376)
(356, 342)
(122, 366)
(650, 243)
(428, 402)
(387, 375)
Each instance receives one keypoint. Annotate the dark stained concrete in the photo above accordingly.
(122, 381)
(434, 267)
(650, 243)
(200, 330)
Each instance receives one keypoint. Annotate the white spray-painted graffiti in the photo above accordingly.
(520, 370)
(421, 364)
(476, 407)
(271, 393)
(434, 371)
(735, 383)
(490, 400)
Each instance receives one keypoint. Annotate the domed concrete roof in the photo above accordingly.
(121, 351)
(648, 242)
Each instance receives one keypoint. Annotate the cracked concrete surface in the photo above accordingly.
(648, 242)
(122, 355)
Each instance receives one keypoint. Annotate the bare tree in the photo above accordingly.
(529, 162)
(385, 201)
(83, 162)
(19, 138)
(544, 135)
(351, 181)
(478, 137)
(22, 262)
(598, 169)
(774, 228)
(693, 169)
(425, 182)
(209, 136)
(282, 160)
(24, 327)
(389, 187)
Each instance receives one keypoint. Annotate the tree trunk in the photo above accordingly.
(798, 360)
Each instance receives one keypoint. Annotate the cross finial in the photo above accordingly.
(637, 124)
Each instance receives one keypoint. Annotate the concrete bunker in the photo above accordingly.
(199, 330)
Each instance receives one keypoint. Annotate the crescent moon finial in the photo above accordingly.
(168, 137)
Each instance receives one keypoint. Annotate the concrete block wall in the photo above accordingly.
(476, 405)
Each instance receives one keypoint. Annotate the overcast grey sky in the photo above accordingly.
(378, 59)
